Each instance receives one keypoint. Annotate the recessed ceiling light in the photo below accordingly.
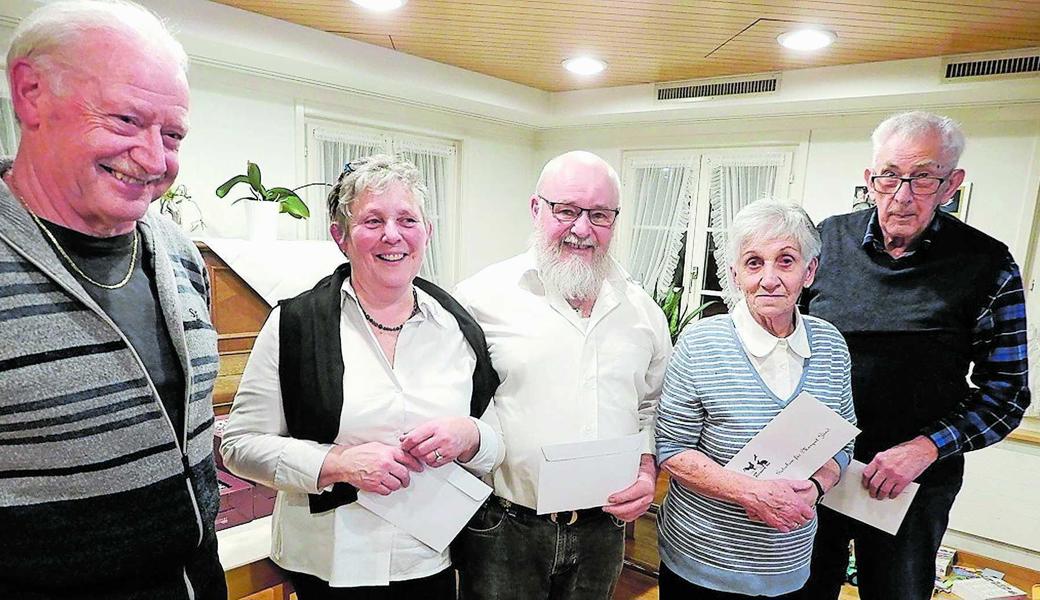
(584, 65)
(806, 39)
(380, 5)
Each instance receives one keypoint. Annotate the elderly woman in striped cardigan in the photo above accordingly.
(724, 534)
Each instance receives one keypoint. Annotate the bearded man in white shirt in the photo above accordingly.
(581, 352)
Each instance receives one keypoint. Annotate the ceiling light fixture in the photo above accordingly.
(806, 39)
(380, 5)
(584, 65)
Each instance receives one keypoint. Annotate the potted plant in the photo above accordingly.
(264, 204)
(678, 318)
(174, 201)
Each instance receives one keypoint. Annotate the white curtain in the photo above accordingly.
(436, 163)
(9, 132)
(735, 183)
(660, 194)
(332, 150)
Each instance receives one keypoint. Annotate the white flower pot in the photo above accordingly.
(261, 220)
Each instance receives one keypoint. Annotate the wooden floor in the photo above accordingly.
(636, 586)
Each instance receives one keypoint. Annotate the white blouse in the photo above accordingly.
(779, 361)
(431, 378)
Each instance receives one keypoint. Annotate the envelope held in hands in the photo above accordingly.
(578, 475)
(434, 507)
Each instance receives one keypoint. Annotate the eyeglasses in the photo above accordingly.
(922, 186)
(568, 213)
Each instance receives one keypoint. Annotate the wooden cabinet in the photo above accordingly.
(238, 313)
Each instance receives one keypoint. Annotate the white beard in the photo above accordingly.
(573, 277)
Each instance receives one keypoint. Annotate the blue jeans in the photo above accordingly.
(513, 554)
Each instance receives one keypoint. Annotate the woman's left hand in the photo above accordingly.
(441, 441)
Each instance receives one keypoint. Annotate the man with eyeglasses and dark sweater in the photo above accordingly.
(922, 299)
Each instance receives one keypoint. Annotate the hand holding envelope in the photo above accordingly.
(435, 507)
(798, 441)
(578, 475)
(850, 498)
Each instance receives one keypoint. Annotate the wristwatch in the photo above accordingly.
(819, 491)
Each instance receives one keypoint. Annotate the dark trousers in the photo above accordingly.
(672, 586)
(513, 554)
(440, 586)
(888, 567)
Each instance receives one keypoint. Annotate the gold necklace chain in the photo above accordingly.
(75, 267)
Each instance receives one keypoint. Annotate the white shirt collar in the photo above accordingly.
(760, 342)
(429, 308)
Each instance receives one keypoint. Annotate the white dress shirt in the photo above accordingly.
(564, 378)
(431, 378)
(779, 361)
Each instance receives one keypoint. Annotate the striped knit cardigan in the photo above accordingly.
(97, 498)
(714, 401)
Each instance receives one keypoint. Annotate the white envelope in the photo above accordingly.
(434, 507)
(850, 498)
(796, 443)
(580, 475)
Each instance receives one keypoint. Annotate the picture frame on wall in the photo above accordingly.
(958, 204)
(861, 199)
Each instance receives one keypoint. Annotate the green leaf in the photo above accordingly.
(671, 302)
(295, 207)
(230, 183)
(253, 172)
(685, 321)
(277, 194)
(697, 311)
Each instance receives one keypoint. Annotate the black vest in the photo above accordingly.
(908, 324)
(310, 367)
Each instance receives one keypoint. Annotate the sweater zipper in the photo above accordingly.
(182, 445)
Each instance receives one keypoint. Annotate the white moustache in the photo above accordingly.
(581, 243)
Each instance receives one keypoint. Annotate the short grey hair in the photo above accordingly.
(49, 31)
(373, 174)
(918, 122)
(770, 219)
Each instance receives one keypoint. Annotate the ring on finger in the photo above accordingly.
(437, 456)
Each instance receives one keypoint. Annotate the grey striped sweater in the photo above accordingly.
(96, 497)
(714, 401)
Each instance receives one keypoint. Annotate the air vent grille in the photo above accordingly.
(990, 67)
(708, 89)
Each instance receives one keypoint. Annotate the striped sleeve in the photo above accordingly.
(996, 405)
(680, 414)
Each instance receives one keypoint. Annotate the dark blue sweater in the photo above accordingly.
(908, 323)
